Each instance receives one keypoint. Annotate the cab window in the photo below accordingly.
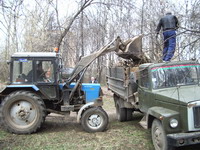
(144, 78)
(44, 71)
(171, 76)
(21, 68)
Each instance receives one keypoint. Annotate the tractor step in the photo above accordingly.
(67, 108)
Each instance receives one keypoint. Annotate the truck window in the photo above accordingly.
(144, 78)
(21, 68)
(171, 76)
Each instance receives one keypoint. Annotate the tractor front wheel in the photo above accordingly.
(22, 112)
(94, 119)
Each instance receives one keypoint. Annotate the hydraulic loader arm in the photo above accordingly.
(130, 48)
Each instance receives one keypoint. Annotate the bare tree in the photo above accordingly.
(40, 27)
(84, 5)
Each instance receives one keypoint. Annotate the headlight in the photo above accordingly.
(173, 123)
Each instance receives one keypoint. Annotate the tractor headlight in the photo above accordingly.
(173, 123)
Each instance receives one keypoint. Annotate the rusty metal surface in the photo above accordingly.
(87, 60)
(121, 82)
(117, 86)
(133, 49)
(129, 47)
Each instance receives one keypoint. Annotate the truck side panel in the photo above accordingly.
(121, 82)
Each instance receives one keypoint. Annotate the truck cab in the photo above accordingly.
(169, 93)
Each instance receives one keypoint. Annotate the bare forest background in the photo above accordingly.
(80, 27)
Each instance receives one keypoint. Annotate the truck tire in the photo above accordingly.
(129, 114)
(158, 136)
(121, 113)
(22, 112)
(94, 119)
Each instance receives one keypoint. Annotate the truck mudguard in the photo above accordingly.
(162, 114)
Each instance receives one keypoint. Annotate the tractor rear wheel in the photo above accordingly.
(22, 112)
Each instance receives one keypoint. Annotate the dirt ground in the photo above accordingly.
(63, 133)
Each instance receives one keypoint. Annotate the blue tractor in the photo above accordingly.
(37, 88)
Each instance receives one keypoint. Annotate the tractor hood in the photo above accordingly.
(182, 95)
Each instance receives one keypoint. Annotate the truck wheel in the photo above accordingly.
(121, 113)
(94, 119)
(158, 136)
(129, 114)
(22, 112)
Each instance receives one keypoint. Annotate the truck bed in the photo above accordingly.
(122, 82)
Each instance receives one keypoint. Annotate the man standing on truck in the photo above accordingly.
(169, 24)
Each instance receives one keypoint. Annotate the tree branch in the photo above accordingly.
(193, 42)
(196, 31)
(85, 5)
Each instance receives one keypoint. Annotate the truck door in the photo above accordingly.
(144, 91)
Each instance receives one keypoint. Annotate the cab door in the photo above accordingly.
(144, 91)
(45, 77)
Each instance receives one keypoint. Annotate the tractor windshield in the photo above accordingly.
(21, 68)
(171, 76)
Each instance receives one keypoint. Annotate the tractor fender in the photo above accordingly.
(10, 88)
(24, 86)
(96, 103)
(90, 104)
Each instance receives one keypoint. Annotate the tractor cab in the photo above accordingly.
(35, 91)
(37, 71)
(29, 68)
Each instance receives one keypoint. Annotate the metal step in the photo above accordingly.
(143, 122)
(67, 108)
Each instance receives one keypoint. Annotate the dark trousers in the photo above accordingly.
(169, 44)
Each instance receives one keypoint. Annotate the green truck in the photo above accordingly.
(168, 94)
